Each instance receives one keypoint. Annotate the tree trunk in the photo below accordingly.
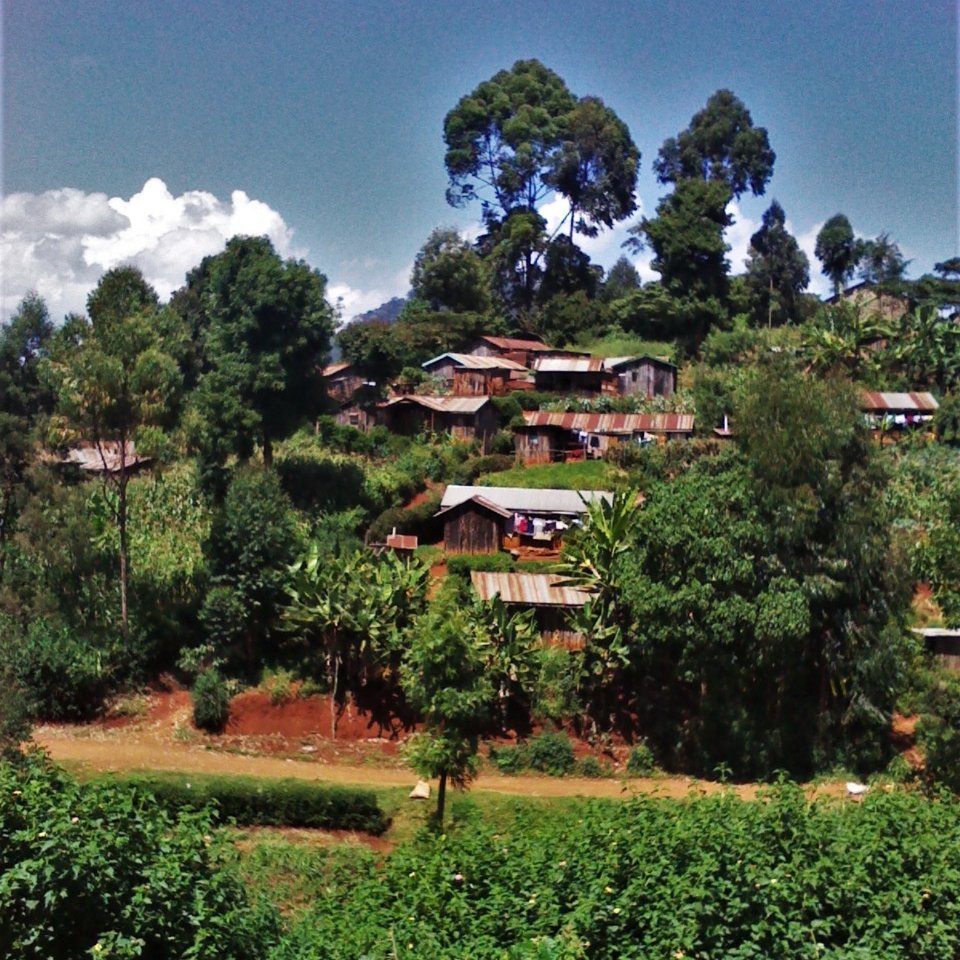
(770, 305)
(4, 526)
(124, 547)
(441, 798)
(333, 695)
(267, 451)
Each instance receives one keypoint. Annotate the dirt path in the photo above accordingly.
(109, 753)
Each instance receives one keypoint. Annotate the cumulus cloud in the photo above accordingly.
(61, 241)
(356, 300)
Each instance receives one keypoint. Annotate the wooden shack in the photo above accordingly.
(943, 644)
(549, 436)
(342, 381)
(465, 375)
(647, 376)
(527, 522)
(643, 376)
(474, 526)
(523, 350)
(466, 418)
(551, 603)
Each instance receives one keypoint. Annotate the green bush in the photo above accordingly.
(249, 801)
(92, 870)
(492, 463)
(64, 676)
(461, 564)
(938, 731)
(509, 759)
(590, 767)
(640, 762)
(417, 520)
(550, 752)
(211, 701)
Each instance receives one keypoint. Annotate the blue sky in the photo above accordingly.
(320, 123)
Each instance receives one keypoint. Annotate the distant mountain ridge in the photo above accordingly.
(387, 312)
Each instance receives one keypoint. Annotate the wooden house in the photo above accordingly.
(648, 376)
(873, 300)
(541, 592)
(549, 436)
(465, 375)
(523, 350)
(645, 376)
(466, 418)
(342, 381)
(488, 519)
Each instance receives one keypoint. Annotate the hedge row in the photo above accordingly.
(251, 801)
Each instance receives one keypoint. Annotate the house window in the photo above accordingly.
(636, 374)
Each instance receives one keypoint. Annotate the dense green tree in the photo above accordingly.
(881, 261)
(838, 251)
(449, 274)
(521, 137)
(596, 170)
(24, 399)
(721, 144)
(650, 312)
(949, 268)
(621, 280)
(374, 347)
(444, 677)
(777, 269)
(686, 237)
(265, 331)
(569, 317)
(118, 381)
(253, 540)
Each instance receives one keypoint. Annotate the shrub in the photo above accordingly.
(64, 675)
(550, 752)
(252, 801)
(413, 520)
(87, 872)
(508, 759)
(503, 445)
(590, 767)
(492, 463)
(211, 701)
(640, 762)
(939, 731)
(461, 564)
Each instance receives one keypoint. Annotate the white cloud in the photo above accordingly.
(61, 241)
(807, 240)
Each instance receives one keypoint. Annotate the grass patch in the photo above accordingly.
(580, 475)
(626, 345)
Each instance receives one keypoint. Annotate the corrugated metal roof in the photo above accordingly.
(335, 368)
(612, 423)
(522, 500)
(106, 458)
(470, 362)
(568, 365)
(510, 343)
(480, 501)
(440, 404)
(529, 589)
(898, 402)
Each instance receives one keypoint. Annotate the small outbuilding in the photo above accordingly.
(342, 381)
(944, 644)
(465, 375)
(466, 418)
(543, 593)
(889, 412)
(108, 456)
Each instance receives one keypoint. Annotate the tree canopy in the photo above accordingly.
(838, 250)
(777, 269)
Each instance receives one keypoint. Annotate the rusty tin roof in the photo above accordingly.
(612, 423)
(528, 589)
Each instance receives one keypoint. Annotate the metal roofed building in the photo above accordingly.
(879, 402)
(540, 592)
(467, 375)
(560, 503)
(650, 376)
(548, 436)
(466, 418)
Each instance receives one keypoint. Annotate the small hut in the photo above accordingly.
(943, 644)
(466, 418)
(540, 592)
(468, 376)
(474, 526)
